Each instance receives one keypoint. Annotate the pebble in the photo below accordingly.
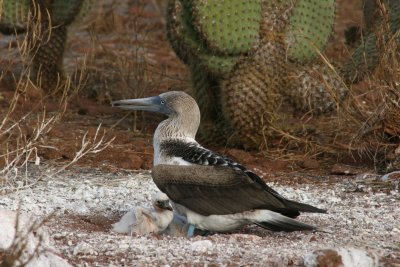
(341, 257)
(201, 246)
(309, 164)
(245, 237)
(343, 169)
(84, 248)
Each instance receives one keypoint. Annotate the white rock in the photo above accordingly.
(7, 227)
(7, 233)
(49, 260)
(346, 257)
(84, 248)
(201, 246)
(245, 237)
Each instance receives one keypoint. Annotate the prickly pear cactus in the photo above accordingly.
(186, 35)
(246, 102)
(366, 56)
(315, 88)
(214, 56)
(50, 19)
(15, 13)
(310, 26)
(65, 12)
(221, 23)
(240, 53)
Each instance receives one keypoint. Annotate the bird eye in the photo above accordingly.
(162, 102)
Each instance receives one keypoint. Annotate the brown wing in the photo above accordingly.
(215, 189)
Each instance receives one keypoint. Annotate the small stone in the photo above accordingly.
(342, 169)
(84, 248)
(313, 239)
(340, 257)
(246, 237)
(201, 246)
(391, 176)
(309, 164)
(397, 150)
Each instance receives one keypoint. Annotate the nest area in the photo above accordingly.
(122, 41)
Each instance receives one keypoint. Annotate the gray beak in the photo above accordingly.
(153, 104)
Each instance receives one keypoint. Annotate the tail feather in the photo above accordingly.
(293, 205)
(277, 222)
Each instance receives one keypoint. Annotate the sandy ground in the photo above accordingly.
(86, 202)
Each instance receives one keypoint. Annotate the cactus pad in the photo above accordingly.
(371, 14)
(315, 87)
(394, 14)
(14, 12)
(365, 58)
(228, 27)
(250, 95)
(309, 28)
(188, 45)
(46, 68)
(65, 12)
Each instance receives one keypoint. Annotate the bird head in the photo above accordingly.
(169, 103)
(180, 107)
(161, 202)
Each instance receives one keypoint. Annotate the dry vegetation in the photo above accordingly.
(366, 126)
(374, 106)
(23, 130)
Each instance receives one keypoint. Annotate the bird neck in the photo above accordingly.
(172, 129)
(177, 127)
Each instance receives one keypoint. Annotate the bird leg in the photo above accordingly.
(190, 231)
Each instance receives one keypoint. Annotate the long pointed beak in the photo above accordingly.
(153, 104)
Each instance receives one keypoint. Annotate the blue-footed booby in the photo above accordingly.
(214, 192)
(142, 221)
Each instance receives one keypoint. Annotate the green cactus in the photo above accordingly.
(251, 93)
(206, 67)
(366, 56)
(189, 44)
(310, 26)
(47, 50)
(315, 87)
(238, 54)
(15, 13)
(66, 12)
(372, 18)
(221, 24)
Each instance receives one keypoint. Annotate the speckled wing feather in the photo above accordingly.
(196, 154)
